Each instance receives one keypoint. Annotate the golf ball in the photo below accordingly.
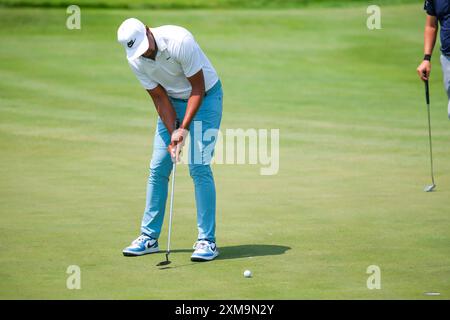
(247, 274)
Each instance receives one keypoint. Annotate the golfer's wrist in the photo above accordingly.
(184, 126)
(427, 57)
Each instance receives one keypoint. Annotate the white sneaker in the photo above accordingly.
(142, 245)
(204, 251)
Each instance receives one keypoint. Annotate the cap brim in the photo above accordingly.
(139, 50)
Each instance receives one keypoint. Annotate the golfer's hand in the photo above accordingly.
(424, 69)
(179, 136)
(175, 151)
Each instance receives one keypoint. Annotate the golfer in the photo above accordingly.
(437, 11)
(183, 85)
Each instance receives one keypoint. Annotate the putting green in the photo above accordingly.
(76, 134)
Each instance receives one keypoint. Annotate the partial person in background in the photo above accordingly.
(438, 13)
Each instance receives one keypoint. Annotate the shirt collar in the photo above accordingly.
(160, 41)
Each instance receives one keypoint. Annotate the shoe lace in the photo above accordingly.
(141, 239)
(200, 244)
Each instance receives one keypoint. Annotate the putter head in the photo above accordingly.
(164, 263)
(429, 188)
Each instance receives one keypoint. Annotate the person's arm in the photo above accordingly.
(430, 34)
(197, 82)
(195, 100)
(164, 108)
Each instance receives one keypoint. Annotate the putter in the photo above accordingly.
(430, 187)
(174, 169)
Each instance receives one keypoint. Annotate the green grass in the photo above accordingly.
(179, 4)
(76, 137)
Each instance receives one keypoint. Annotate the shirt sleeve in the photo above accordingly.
(189, 56)
(145, 80)
(429, 7)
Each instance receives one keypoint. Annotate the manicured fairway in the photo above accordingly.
(76, 134)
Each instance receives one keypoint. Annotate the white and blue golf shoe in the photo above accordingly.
(142, 245)
(204, 251)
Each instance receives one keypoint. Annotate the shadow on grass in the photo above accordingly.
(246, 251)
(235, 252)
(251, 250)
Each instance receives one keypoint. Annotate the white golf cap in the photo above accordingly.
(133, 36)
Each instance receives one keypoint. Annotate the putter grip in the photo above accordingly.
(427, 90)
(177, 123)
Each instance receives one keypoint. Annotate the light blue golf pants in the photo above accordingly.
(207, 119)
(445, 62)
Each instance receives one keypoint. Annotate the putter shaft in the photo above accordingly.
(174, 169)
(427, 96)
(431, 145)
(171, 209)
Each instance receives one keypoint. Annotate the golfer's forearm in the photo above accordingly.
(164, 107)
(167, 113)
(430, 34)
(429, 39)
(194, 103)
(197, 82)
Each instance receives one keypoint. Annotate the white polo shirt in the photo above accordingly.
(178, 57)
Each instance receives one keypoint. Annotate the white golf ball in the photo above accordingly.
(247, 274)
